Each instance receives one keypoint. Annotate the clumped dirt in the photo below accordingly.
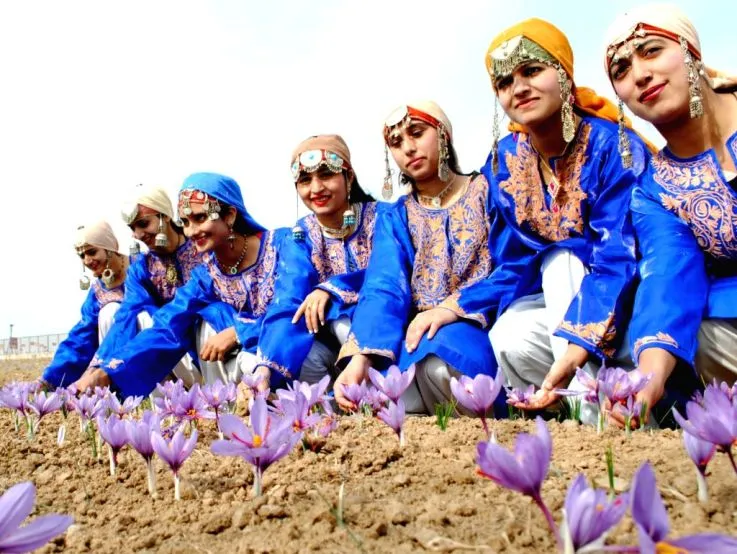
(426, 496)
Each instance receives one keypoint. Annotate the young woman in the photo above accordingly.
(685, 210)
(154, 277)
(238, 269)
(321, 267)
(562, 187)
(97, 246)
(429, 245)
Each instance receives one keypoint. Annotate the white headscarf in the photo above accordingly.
(666, 20)
(152, 197)
(98, 234)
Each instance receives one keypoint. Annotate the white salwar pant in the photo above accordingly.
(430, 387)
(522, 338)
(105, 319)
(716, 357)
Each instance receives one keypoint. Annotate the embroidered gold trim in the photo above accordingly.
(451, 303)
(564, 216)
(351, 347)
(598, 334)
(347, 296)
(659, 337)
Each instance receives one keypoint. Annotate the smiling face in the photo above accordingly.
(415, 149)
(146, 226)
(94, 258)
(651, 78)
(531, 94)
(323, 192)
(207, 234)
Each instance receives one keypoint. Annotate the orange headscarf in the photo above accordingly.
(552, 39)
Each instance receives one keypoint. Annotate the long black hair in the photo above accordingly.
(358, 195)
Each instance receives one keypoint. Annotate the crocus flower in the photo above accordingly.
(119, 409)
(629, 409)
(701, 453)
(477, 395)
(298, 411)
(15, 506)
(393, 416)
(355, 392)
(217, 395)
(618, 384)
(394, 383)
(713, 420)
(88, 407)
(42, 403)
(266, 440)
(314, 394)
(166, 392)
(520, 396)
(588, 516)
(139, 437)
(252, 381)
(190, 406)
(174, 452)
(651, 519)
(114, 432)
(374, 400)
(522, 471)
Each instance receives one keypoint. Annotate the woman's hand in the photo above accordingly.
(313, 308)
(355, 372)
(428, 322)
(93, 377)
(217, 347)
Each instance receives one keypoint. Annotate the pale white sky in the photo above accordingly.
(98, 96)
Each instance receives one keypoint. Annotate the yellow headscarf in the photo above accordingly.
(553, 41)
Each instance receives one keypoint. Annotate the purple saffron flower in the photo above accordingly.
(88, 407)
(355, 393)
(298, 412)
(14, 397)
(253, 381)
(265, 441)
(590, 391)
(114, 432)
(374, 400)
(393, 416)
(190, 406)
(618, 384)
(589, 515)
(477, 395)
(714, 420)
(43, 403)
(522, 471)
(701, 452)
(313, 393)
(651, 519)
(126, 407)
(394, 383)
(520, 396)
(217, 395)
(15, 506)
(174, 452)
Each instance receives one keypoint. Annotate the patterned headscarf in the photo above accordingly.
(664, 20)
(424, 110)
(555, 45)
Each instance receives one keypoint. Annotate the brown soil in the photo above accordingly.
(424, 497)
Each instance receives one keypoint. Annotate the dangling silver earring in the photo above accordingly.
(84, 281)
(134, 249)
(231, 237)
(495, 138)
(695, 102)
(107, 275)
(625, 151)
(349, 216)
(566, 110)
(443, 156)
(161, 240)
(298, 233)
(387, 191)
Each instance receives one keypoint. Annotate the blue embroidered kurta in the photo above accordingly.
(685, 217)
(424, 258)
(585, 211)
(151, 282)
(151, 355)
(336, 266)
(76, 351)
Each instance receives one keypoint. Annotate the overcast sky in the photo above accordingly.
(97, 96)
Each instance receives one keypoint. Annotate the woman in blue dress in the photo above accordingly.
(560, 184)
(428, 246)
(238, 269)
(685, 209)
(321, 267)
(154, 277)
(97, 246)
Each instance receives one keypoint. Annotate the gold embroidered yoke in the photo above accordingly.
(451, 248)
